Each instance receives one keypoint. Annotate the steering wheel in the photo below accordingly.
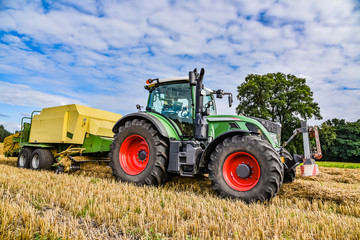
(185, 112)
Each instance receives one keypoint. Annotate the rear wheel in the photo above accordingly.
(23, 160)
(41, 159)
(139, 154)
(246, 167)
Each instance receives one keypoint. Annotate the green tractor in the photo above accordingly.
(180, 133)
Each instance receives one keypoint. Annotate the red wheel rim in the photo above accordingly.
(134, 155)
(231, 177)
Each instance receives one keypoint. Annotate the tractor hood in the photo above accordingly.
(268, 130)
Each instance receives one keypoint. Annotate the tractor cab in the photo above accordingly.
(174, 99)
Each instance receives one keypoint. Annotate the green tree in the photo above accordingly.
(3, 133)
(340, 140)
(281, 98)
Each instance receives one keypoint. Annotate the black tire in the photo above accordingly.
(264, 178)
(41, 159)
(154, 173)
(23, 160)
(289, 174)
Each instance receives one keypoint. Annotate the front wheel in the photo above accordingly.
(289, 174)
(246, 167)
(139, 154)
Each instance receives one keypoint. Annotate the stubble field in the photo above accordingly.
(91, 204)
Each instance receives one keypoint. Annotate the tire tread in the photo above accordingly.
(158, 174)
(249, 142)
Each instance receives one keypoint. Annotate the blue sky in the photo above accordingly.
(99, 53)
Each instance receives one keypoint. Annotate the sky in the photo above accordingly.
(99, 53)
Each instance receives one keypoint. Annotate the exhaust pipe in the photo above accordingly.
(200, 122)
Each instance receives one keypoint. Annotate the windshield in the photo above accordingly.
(174, 101)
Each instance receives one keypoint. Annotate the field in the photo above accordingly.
(90, 204)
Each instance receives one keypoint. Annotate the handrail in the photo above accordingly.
(22, 124)
(32, 114)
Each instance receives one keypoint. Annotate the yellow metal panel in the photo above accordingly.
(65, 124)
(100, 127)
(47, 127)
(70, 123)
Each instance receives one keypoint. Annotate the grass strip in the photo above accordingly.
(338, 165)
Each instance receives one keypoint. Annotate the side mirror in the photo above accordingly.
(230, 99)
(220, 93)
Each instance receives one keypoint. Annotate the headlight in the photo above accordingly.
(274, 138)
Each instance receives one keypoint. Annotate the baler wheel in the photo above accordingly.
(23, 160)
(246, 167)
(139, 154)
(41, 159)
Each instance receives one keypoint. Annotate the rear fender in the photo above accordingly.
(164, 127)
(205, 158)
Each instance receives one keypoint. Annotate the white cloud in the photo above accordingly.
(16, 94)
(10, 126)
(101, 52)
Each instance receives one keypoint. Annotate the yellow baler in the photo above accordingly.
(70, 124)
(59, 132)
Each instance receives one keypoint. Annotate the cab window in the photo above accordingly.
(174, 101)
(207, 99)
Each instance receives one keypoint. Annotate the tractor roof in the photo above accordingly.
(152, 82)
(174, 79)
